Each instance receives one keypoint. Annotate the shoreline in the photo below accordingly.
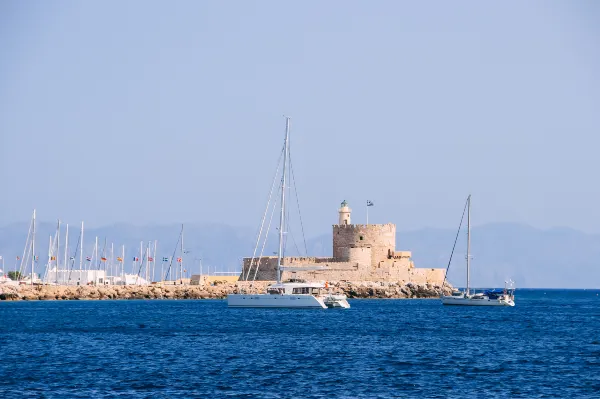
(218, 290)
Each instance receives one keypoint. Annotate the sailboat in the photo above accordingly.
(505, 297)
(293, 293)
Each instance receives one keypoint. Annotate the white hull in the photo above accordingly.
(275, 301)
(461, 301)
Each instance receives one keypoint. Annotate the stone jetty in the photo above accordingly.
(216, 290)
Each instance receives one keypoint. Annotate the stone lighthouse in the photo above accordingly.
(344, 214)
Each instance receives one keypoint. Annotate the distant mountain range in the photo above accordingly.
(560, 257)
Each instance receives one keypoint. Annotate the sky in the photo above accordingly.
(150, 112)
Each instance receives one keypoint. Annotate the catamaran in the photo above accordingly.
(293, 293)
(505, 297)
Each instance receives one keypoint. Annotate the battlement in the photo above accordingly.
(400, 255)
(364, 226)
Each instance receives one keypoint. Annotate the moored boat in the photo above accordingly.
(504, 297)
(293, 293)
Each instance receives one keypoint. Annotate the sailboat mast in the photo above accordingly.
(282, 214)
(66, 260)
(49, 263)
(57, 250)
(181, 263)
(468, 243)
(154, 262)
(33, 248)
(81, 251)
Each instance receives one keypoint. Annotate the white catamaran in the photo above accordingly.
(505, 297)
(293, 293)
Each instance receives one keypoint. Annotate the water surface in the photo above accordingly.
(546, 346)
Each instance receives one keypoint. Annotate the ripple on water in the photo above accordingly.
(547, 346)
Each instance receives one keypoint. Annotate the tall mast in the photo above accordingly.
(49, 263)
(81, 250)
(96, 255)
(112, 259)
(66, 253)
(33, 248)
(181, 263)
(154, 261)
(468, 242)
(57, 249)
(141, 260)
(282, 214)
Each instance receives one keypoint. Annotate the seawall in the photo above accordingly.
(217, 291)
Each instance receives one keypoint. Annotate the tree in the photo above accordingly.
(13, 275)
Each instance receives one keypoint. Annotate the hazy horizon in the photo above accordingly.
(151, 112)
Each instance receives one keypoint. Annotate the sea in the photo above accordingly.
(547, 346)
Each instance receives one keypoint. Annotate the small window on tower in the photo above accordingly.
(361, 237)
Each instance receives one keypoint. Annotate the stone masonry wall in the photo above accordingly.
(380, 237)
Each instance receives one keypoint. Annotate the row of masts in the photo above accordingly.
(111, 263)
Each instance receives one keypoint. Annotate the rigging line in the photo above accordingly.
(454, 246)
(174, 252)
(144, 253)
(25, 249)
(265, 214)
(266, 237)
(73, 260)
(298, 205)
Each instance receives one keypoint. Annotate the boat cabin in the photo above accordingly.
(295, 288)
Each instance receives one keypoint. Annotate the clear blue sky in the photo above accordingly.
(156, 111)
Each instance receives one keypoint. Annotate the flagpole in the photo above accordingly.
(367, 213)
(123, 264)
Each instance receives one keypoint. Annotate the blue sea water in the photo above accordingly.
(546, 346)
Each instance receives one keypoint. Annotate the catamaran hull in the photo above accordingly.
(476, 302)
(275, 301)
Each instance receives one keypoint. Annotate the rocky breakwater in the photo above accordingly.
(218, 290)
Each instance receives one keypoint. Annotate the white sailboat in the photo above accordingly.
(505, 297)
(291, 294)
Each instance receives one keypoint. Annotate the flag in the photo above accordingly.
(369, 203)
(53, 258)
(150, 259)
(89, 259)
(165, 259)
(72, 258)
(179, 260)
(18, 257)
(135, 259)
(35, 258)
(103, 259)
(119, 259)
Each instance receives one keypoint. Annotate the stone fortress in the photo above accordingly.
(360, 253)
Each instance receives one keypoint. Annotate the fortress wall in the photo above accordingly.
(399, 270)
(380, 237)
(339, 271)
(360, 255)
(267, 268)
(428, 276)
(304, 260)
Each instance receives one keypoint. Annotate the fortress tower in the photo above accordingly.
(361, 252)
(373, 243)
